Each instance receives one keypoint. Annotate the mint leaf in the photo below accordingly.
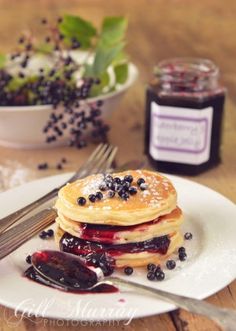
(121, 73)
(2, 60)
(98, 89)
(78, 28)
(113, 31)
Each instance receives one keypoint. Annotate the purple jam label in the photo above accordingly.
(180, 135)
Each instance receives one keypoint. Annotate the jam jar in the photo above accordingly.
(184, 115)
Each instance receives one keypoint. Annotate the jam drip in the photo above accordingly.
(81, 247)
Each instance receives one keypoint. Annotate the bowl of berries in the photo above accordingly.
(61, 89)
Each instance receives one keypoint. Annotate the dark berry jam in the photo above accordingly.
(84, 248)
(62, 271)
(184, 117)
(32, 274)
(107, 233)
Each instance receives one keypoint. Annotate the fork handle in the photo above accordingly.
(226, 318)
(19, 234)
(7, 221)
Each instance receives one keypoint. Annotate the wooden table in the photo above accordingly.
(158, 29)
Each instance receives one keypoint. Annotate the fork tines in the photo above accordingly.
(99, 161)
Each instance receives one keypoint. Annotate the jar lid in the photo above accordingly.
(187, 75)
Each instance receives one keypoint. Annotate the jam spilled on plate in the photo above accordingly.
(65, 272)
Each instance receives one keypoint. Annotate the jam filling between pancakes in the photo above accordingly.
(81, 247)
(107, 233)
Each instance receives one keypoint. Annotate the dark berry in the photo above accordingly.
(111, 185)
(81, 201)
(151, 267)
(140, 181)
(43, 235)
(42, 166)
(117, 187)
(160, 275)
(125, 185)
(182, 256)
(21, 75)
(132, 190)
(63, 160)
(188, 236)
(111, 194)
(28, 47)
(92, 197)
(158, 269)
(50, 233)
(143, 186)
(44, 21)
(28, 259)
(21, 40)
(170, 264)
(128, 271)
(117, 180)
(125, 196)
(181, 250)
(108, 178)
(99, 195)
(59, 166)
(151, 275)
(128, 178)
(99, 103)
(103, 187)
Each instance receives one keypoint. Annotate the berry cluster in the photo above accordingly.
(46, 234)
(182, 254)
(115, 186)
(59, 165)
(58, 86)
(101, 260)
(155, 272)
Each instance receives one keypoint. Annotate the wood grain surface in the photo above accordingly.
(158, 29)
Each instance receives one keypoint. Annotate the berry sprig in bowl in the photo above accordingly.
(59, 89)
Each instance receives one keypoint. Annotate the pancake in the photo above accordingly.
(127, 228)
(158, 199)
(123, 234)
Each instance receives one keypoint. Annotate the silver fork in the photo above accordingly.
(92, 165)
(13, 238)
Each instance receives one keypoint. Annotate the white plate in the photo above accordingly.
(210, 267)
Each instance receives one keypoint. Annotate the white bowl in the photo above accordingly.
(22, 127)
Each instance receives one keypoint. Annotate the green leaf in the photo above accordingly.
(104, 57)
(113, 31)
(17, 82)
(2, 60)
(98, 89)
(121, 73)
(76, 27)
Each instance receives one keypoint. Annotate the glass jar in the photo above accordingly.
(184, 114)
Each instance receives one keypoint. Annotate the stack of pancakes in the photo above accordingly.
(145, 228)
